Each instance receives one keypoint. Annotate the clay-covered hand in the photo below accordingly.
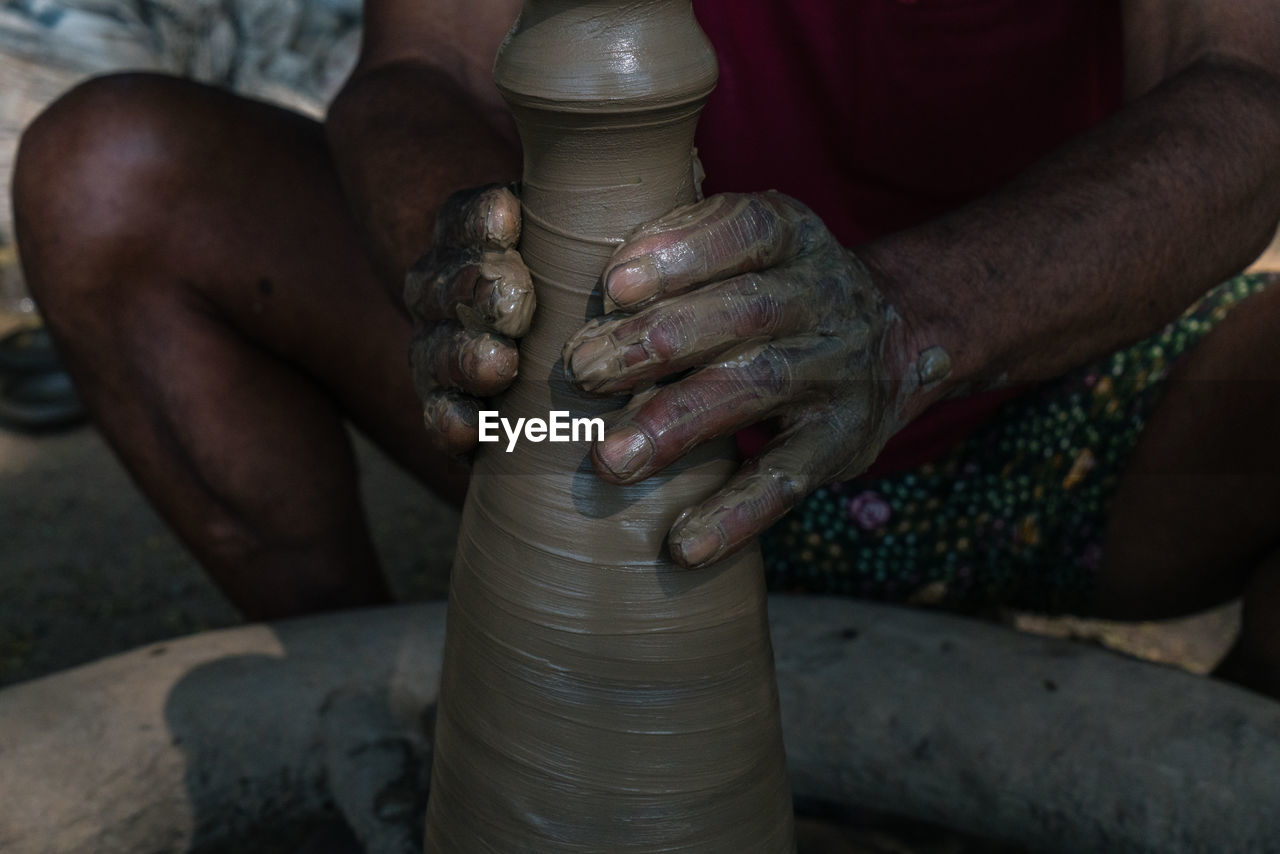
(780, 322)
(469, 297)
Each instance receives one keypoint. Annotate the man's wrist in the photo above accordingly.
(916, 361)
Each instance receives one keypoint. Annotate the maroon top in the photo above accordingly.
(879, 114)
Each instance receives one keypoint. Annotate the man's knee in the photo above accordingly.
(97, 169)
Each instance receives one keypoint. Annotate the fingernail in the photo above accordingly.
(487, 364)
(491, 223)
(496, 224)
(700, 546)
(633, 281)
(589, 360)
(625, 452)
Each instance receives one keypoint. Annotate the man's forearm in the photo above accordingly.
(404, 136)
(1101, 242)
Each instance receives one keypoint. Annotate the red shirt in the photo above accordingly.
(879, 114)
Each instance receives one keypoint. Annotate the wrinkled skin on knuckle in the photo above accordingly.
(784, 488)
(717, 400)
(593, 360)
(666, 339)
(766, 369)
(766, 492)
(674, 426)
(765, 488)
(744, 233)
(432, 282)
(726, 234)
(615, 354)
(480, 289)
(809, 234)
(759, 230)
(756, 305)
(714, 239)
(758, 496)
(448, 356)
(762, 233)
(610, 356)
(488, 364)
(501, 297)
(677, 220)
(709, 404)
(677, 418)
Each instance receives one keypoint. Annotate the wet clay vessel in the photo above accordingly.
(595, 696)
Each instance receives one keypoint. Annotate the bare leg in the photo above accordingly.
(193, 256)
(1196, 519)
(1255, 659)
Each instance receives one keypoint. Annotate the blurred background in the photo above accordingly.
(86, 568)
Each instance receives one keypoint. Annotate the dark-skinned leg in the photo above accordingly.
(1254, 661)
(192, 254)
(1196, 518)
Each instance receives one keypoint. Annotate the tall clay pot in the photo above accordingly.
(595, 696)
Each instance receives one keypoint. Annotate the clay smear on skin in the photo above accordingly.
(596, 696)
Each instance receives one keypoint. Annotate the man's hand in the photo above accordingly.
(470, 296)
(780, 322)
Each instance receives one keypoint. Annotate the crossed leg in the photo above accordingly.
(193, 256)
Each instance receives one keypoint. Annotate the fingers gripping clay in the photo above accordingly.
(596, 697)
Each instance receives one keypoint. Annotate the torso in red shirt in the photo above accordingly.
(879, 114)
